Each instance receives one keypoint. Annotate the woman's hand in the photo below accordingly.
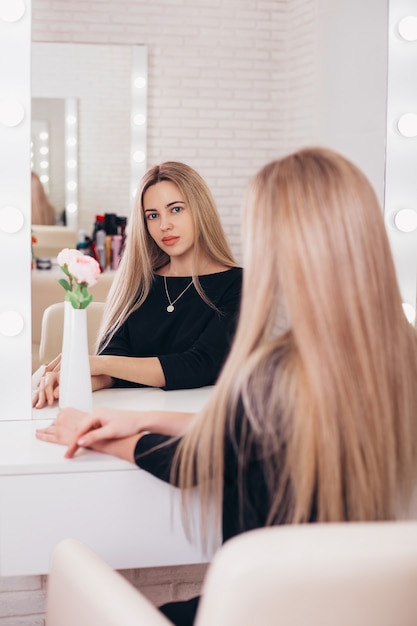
(48, 386)
(47, 391)
(103, 428)
(76, 428)
(63, 430)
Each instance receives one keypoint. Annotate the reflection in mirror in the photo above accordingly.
(107, 85)
(48, 146)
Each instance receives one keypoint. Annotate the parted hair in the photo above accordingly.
(324, 361)
(142, 256)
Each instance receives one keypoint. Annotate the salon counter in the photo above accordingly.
(123, 513)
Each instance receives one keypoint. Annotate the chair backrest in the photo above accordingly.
(308, 575)
(82, 590)
(50, 240)
(315, 574)
(53, 326)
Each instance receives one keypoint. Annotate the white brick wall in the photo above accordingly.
(226, 87)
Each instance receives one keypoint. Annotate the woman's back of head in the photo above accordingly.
(353, 360)
(323, 357)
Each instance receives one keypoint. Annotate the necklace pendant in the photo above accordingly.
(170, 308)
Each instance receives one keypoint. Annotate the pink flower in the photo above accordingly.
(83, 268)
(66, 255)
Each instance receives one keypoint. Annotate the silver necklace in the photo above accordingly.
(170, 307)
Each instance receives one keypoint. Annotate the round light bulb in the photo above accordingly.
(408, 28)
(11, 219)
(72, 207)
(139, 82)
(139, 156)
(139, 119)
(12, 10)
(11, 112)
(11, 323)
(406, 220)
(407, 125)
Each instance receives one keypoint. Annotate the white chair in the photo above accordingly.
(84, 591)
(314, 574)
(53, 327)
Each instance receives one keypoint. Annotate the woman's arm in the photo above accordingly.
(143, 370)
(111, 431)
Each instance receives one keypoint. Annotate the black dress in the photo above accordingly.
(194, 340)
(242, 511)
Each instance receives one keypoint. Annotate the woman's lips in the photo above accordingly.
(169, 241)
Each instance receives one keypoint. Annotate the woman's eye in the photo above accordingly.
(152, 216)
(176, 209)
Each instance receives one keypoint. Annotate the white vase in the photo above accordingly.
(75, 376)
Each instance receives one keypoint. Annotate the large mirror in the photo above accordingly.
(320, 70)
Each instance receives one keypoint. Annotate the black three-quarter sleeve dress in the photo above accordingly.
(191, 342)
(243, 509)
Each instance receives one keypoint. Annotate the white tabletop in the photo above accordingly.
(22, 453)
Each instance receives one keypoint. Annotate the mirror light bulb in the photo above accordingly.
(407, 125)
(139, 156)
(12, 10)
(11, 219)
(408, 28)
(139, 82)
(11, 323)
(139, 119)
(11, 112)
(406, 220)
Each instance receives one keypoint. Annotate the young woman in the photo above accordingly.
(172, 310)
(314, 417)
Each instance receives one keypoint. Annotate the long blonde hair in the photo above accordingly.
(324, 361)
(142, 256)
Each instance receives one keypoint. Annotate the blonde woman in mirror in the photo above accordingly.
(43, 212)
(172, 309)
(314, 417)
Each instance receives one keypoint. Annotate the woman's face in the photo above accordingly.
(168, 219)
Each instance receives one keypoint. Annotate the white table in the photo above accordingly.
(127, 516)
